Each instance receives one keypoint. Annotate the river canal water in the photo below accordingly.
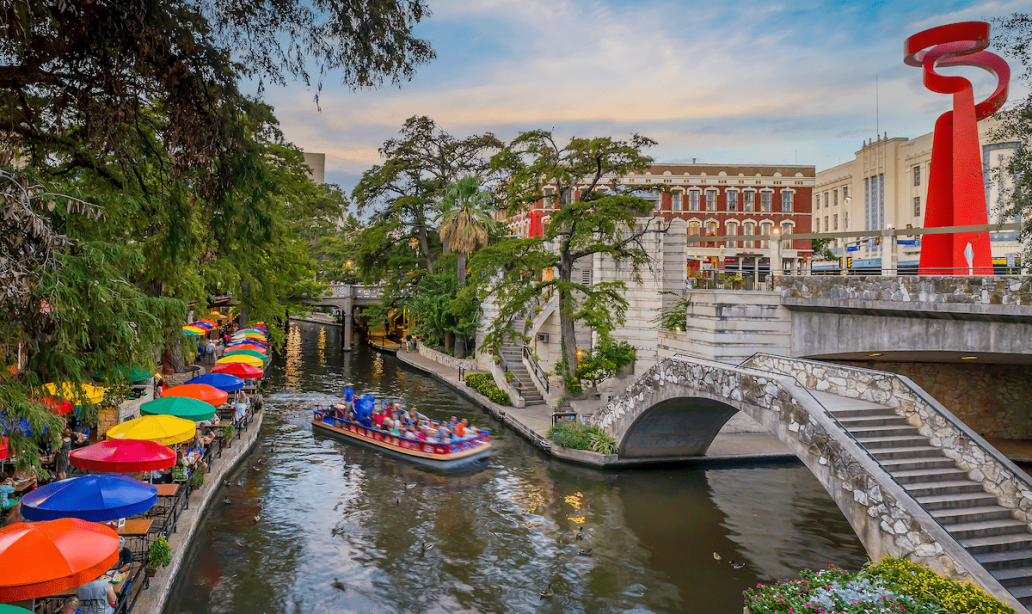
(499, 534)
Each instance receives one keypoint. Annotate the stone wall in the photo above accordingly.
(888, 521)
(469, 364)
(108, 417)
(994, 400)
(993, 290)
(983, 463)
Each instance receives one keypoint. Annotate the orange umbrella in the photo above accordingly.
(248, 346)
(43, 558)
(201, 392)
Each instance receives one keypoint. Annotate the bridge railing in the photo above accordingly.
(918, 395)
(829, 414)
(345, 291)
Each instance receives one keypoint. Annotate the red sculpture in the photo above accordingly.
(956, 188)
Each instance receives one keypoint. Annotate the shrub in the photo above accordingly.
(484, 384)
(577, 436)
(893, 585)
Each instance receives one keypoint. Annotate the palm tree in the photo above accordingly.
(465, 221)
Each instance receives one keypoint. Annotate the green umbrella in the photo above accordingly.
(6, 608)
(263, 357)
(180, 407)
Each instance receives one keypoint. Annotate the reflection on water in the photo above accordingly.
(498, 534)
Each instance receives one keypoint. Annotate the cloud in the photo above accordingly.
(757, 83)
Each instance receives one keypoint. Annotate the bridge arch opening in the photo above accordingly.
(679, 426)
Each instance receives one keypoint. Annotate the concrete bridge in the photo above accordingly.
(349, 299)
(909, 476)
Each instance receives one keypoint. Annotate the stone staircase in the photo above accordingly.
(988, 531)
(513, 355)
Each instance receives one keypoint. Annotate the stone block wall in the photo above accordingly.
(990, 290)
(469, 364)
(994, 400)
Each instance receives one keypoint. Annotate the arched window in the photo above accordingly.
(765, 229)
(787, 228)
(749, 229)
(731, 230)
(711, 231)
(711, 199)
(748, 200)
(676, 201)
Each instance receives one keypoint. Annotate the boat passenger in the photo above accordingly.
(470, 430)
(460, 428)
(379, 418)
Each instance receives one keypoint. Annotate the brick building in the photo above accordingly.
(716, 200)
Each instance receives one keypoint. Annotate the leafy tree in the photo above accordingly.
(335, 252)
(466, 220)
(1013, 34)
(602, 221)
(820, 248)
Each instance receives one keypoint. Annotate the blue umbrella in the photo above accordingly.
(94, 498)
(223, 381)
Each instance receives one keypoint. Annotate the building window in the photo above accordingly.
(750, 229)
(786, 229)
(835, 220)
(917, 206)
(827, 227)
(846, 220)
(748, 200)
(586, 277)
(818, 224)
(732, 230)
(836, 197)
(676, 201)
(711, 200)
(693, 200)
(694, 230)
(917, 175)
(786, 201)
(765, 229)
(711, 231)
(881, 201)
(845, 193)
(867, 203)
(817, 202)
(765, 201)
(732, 200)
(825, 199)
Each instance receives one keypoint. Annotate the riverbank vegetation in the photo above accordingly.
(136, 181)
(485, 385)
(892, 585)
(577, 436)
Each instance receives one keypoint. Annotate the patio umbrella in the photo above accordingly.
(258, 342)
(186, 408)
(201, 392)
(5, 453)
(82, 392)
(40, 559)
(238, 369)
(202, 324)
(222, 381)
(247, 360)
(57, 407)
(251, 353)
(6, 608)
(96, 498)
(249, 334)
(123, 456)
(166, 430)
(248, 346)
(134, 374)
(195, 330)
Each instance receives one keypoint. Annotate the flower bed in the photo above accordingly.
(577, 436)
(484, 384)
(894, 585)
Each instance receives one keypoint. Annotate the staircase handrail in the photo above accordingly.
(828, 413)
(929, 401)
(538, 371)
(506, 367)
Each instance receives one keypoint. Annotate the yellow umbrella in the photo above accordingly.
(84, 392)
(197, 330)
(244, 358)
(166, 430)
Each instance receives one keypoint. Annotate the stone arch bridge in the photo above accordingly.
(349, 299)
(908, 476)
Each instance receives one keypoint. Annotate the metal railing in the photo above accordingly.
(538, 371)
(507, 368)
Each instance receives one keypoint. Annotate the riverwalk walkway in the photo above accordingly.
(730, 445)
(153, 599)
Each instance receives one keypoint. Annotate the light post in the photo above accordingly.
(775, 254)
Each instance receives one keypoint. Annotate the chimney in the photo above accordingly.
(693, 160)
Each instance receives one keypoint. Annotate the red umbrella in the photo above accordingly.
(202, 392)
(4, 452)
(43, 558)
(248, 346)
(123, 456)
(239, 369)
(57, 406)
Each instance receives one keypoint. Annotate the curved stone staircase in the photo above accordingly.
(513, 355)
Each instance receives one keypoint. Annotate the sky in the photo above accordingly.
(790, 82)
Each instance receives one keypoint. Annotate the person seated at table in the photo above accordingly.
(162, 476)
(207, 435)
(70, 606)
(194, 455)
(125, 557)
(97, 597)
(7, 501)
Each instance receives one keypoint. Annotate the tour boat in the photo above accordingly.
(437, 455)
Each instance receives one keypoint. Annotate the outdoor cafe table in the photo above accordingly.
(167, 490)
(136, 527)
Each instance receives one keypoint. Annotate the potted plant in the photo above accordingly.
(497, 359)
(227, 435)
(160, 554)
(197, 479)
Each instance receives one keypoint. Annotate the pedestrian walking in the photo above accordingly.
(210, 352)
